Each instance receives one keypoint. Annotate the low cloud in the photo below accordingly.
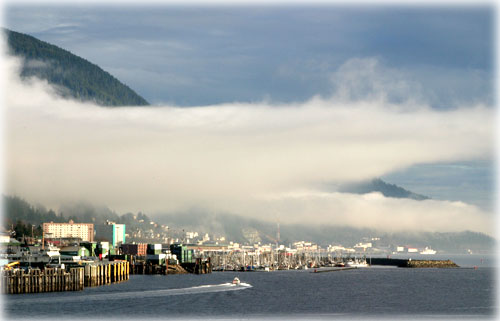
(371, 210)
(258, 159)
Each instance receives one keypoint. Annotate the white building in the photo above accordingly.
(84, 231)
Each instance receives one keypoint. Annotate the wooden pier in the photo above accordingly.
(199, 266)
(18, 281)
(106, 273)
(36, 281)
(142, 267)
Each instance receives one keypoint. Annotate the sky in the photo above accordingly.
(192, 56)
(255, 107)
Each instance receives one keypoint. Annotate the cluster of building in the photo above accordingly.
(67, 244)
(370, 247)
(110, 232)
(79, 241)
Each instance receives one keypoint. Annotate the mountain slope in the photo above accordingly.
(378, 185)
(73, 76)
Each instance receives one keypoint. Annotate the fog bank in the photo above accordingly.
(260, 159)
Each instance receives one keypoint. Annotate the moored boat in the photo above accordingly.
(356, 263)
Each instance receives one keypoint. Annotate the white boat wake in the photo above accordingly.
(136, 294)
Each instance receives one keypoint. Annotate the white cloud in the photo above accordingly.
(243, 158)
(371, 210)
(368, 78)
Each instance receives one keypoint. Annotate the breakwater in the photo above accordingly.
(409, 263)
(431, 264)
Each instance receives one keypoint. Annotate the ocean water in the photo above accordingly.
(372, 293)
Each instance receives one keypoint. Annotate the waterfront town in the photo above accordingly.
(72, 242)
(70, 256)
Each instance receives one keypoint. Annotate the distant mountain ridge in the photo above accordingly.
(378, 185)
(73, 76)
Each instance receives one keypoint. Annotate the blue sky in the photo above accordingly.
(210, 55)
(441, 57)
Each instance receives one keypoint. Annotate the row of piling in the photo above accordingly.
(36, 281)
(199, 266)
(17, 281)
(106, 273)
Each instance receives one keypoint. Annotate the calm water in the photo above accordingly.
(376, 292)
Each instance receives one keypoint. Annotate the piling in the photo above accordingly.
(18, 281)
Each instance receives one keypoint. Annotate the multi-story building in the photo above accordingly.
(83, 231)
(110, 232)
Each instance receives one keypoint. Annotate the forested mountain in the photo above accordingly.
(23, 218)
(378, 185)
(73, 76)
(16, 209)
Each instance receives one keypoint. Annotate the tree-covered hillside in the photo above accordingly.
(74, 77)
(26, 219)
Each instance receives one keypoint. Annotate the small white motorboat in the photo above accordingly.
(236, 281)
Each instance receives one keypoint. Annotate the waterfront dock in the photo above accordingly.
(17, 281)
(103, 273)
(138, 265)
